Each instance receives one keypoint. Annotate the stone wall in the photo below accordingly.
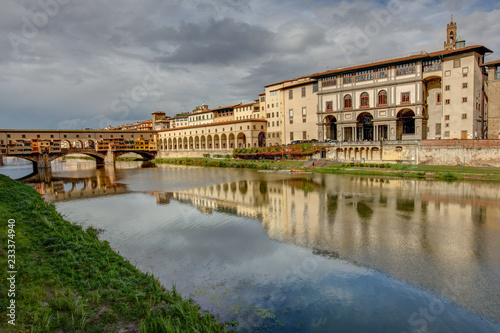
(480, 153)
(485, 153)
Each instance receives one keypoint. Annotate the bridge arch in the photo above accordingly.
(89, 144)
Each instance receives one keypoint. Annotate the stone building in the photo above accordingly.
(436, 95)
(493, 98)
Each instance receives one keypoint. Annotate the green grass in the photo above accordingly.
(72, 157)
(232, 163)
(129, 158)
(69, 281)
(449, 173)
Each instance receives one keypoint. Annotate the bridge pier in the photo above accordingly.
(43, 162)
(110, 157)
(1, 160)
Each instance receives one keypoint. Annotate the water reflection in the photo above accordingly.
(307, 253)
(55, 187)
(410, 230)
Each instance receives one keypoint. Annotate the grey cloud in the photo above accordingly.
(221, 42)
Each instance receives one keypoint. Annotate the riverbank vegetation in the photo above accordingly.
(437, 172)
(297, 151)
(78, 157)
(69, 281)
(231, 163)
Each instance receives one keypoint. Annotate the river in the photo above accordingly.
(293, 252)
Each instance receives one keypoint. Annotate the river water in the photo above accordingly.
(287, 252)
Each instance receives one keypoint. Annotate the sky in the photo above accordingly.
(68, 64)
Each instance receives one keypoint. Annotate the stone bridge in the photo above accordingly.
(74, 142)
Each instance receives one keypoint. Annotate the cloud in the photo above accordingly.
(87, 55)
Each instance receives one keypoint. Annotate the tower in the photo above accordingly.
(451, 35)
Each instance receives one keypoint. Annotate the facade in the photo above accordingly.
(247, 111)
(214, 137)
(275, 96)
(493, 99)
(300, 106)
(224, 114)
(425, 96)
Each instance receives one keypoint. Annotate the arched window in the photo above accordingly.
(364, 100)
(382, 98)
(347, 102)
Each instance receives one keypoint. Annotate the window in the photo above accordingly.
(438, 129)
(278, 123)
(347, 102)
(291, 136)
(262, 99)
(464, 85)
(304, 135)
(446, 101)
(304, 112)
(464, 115)
(274, 93)
(290, 112)
(447, 73)
(405, 98)
(446, 134)
(329, 106)
(456, 63)
(382, 98)
(447, 117)
(438, 98)
(464, 99)
(497, 72)
(446, 125)
(447, 87)
(303, 92)
(432, 65)
(364, 100)
(329, 81)
(290, 94)
(465, 71)
(315, 86)
(408, 68)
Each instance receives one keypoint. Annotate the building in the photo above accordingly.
(493, 99)
(300, 106)
(247, 111)
(214, 137)
(275, 97)
(436, 95)
(160, 121)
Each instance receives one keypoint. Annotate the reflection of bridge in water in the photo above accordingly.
(56, 189)
(395, 226)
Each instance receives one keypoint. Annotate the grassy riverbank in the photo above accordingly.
(394, 170)
(69, 281)
(232, 163)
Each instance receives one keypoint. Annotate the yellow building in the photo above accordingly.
(214, 137)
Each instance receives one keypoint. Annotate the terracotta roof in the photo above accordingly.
(479, 48)
(244, 105)
(492, 63)
(158, 112)
(281, 82)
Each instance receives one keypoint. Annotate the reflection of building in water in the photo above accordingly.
(61, 189)
(430, 233)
